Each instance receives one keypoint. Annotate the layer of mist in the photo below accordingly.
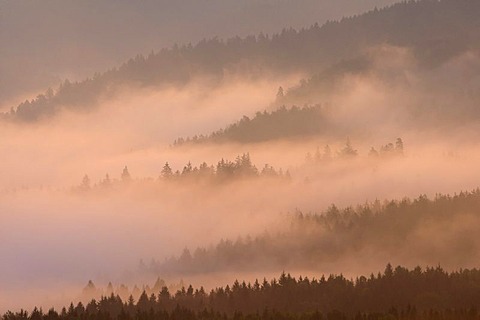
(93, 186)
(55, 238)
(441, 231)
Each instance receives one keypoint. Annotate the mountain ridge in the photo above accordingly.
(451, 24)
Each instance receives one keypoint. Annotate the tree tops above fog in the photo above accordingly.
(435, 30)
(224, 171)
(348, 151)
(242, 167)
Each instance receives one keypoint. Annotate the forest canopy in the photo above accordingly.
(396, 293)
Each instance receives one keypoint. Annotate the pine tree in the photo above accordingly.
(126, 175)
(167, 172)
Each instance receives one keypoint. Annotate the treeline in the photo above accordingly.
(410, 230)
(282, 123)
(434, 30)
(224, 171)
(348, 151)
(91, 291)
(397, 293)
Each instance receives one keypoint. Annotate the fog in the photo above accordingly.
(74, 39)
(393, 92)
(55, 239)
(60, 229)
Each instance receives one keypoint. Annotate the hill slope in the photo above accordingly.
(434, 30)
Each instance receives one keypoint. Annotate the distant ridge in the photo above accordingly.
(434, 30)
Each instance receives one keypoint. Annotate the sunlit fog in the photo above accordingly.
(170, 144)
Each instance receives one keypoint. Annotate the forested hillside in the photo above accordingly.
(85, 36)
(434, 30)
(264, 126)
(390, 229)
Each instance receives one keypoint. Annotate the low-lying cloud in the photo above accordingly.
(54, 237)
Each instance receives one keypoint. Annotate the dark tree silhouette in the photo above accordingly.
(397, 293)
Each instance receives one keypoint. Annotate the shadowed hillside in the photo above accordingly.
(434, 30)
(264, 126)
(409, 230)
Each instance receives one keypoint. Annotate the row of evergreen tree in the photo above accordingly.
(348, 151)
(224, 171)
(241, 167)
(397, 293)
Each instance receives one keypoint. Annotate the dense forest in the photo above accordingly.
(264, 126)
(452, 28)
(397, 293)
(311, 240)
